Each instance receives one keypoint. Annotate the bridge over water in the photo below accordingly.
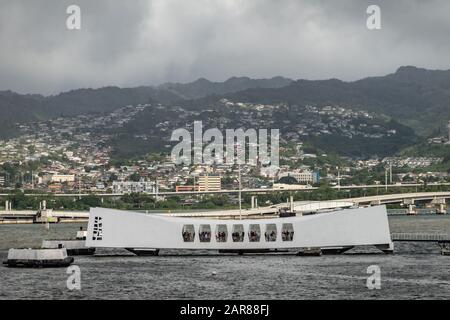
(248, 191)
(408, 199)
(438, 199)
(27, 216)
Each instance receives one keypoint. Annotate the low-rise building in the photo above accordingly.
(209, 183)
(302, 176)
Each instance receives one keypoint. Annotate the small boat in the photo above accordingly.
(38, 258)
(445, 249)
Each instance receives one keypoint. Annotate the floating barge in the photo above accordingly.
(74, 247)
(38, 258)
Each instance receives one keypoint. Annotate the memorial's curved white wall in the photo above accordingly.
(124, 229)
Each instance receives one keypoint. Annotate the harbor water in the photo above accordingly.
(414, 271)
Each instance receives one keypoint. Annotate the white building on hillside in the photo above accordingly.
(63, 178)
(134, 187)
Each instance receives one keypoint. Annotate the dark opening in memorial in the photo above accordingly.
(205, 233)
(254, 233)
(287, 232)
(188, 233)
(271, 232)
(221, 233)
(238, 233)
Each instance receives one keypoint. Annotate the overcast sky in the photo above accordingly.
(148, 42)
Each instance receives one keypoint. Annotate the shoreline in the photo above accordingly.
(20, 222)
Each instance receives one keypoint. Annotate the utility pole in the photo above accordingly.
(240, 191)
(79, 187)
(386, 178)
(390, 172)
(238, 148)
(339, 178)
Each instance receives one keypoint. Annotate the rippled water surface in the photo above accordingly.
(415, 271)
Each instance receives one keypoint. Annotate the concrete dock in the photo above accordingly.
(38, 258)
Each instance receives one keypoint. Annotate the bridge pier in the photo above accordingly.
(411, 206)
(441, 205)
(45, 216)
(254, 202)
(442, 209)
(412, 209)
(43, 205)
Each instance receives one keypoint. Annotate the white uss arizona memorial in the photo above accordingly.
(335, 230)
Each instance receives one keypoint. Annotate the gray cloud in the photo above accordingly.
(142, 42)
